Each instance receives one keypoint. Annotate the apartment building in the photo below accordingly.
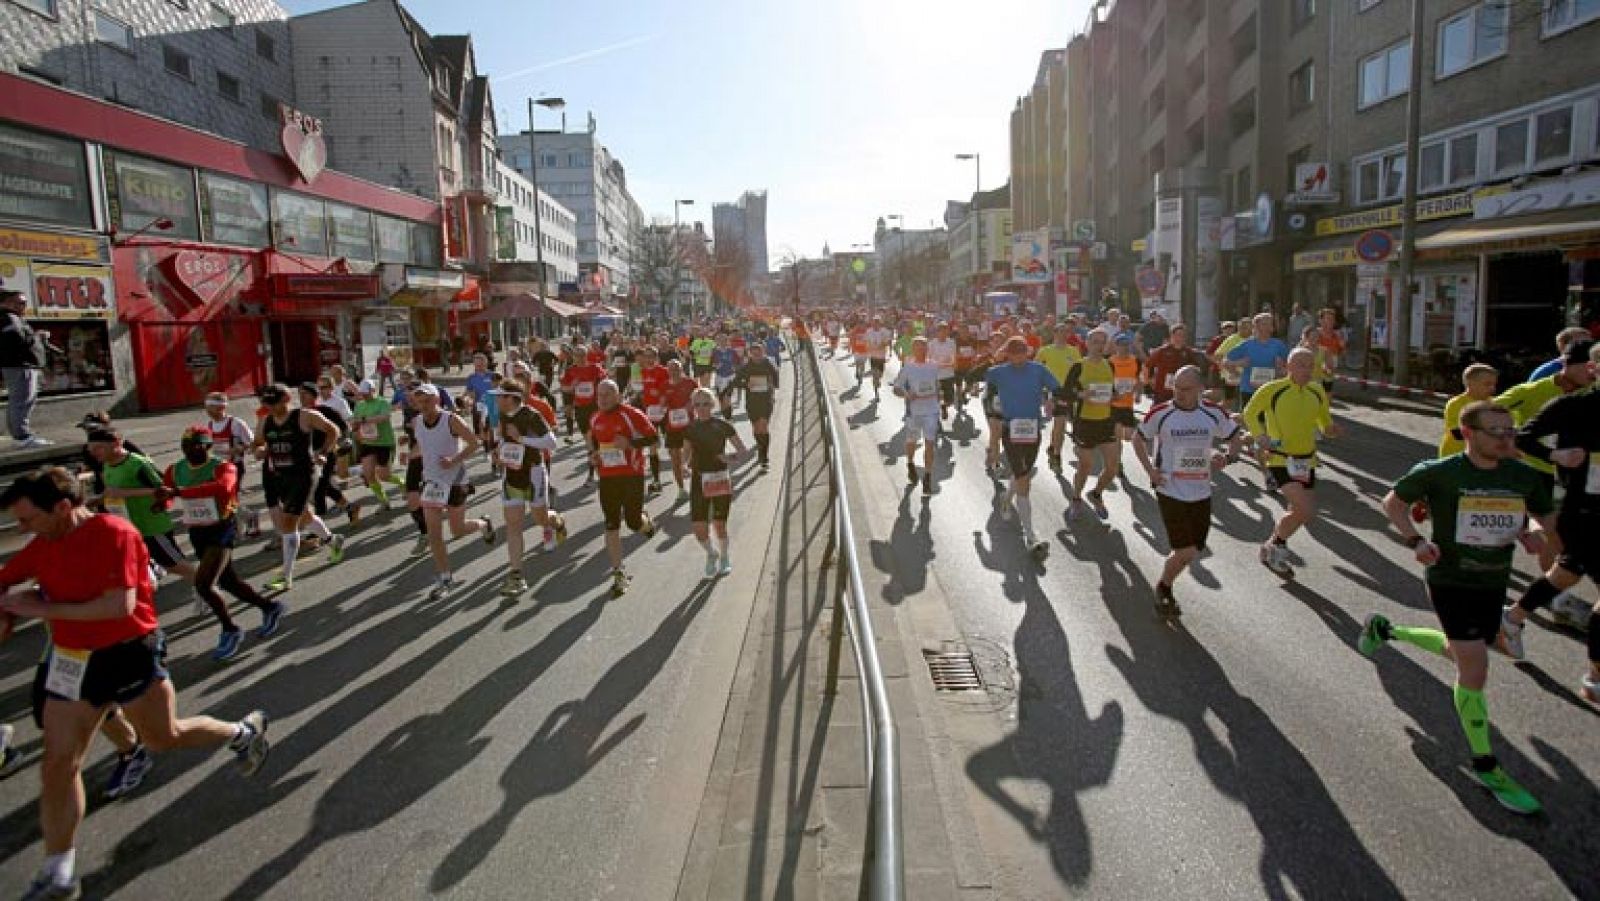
(744, 223)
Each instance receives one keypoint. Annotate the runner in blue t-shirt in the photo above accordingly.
(1258, 359)
(1018, 391)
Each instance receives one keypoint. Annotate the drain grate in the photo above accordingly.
(953, 671)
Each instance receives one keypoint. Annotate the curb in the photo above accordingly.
(1402, 391)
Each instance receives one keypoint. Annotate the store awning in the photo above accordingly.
(563, 310)
(414, 286)
(523, 306)
(1561, 229)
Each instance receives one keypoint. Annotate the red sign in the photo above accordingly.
(77, 293)
(203, 276)
(1151, 281)
(1375, 246)
(325, 287)
(303, 143)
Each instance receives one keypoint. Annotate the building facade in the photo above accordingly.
(744, 223)
(220, 65)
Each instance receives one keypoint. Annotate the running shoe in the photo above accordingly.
(280, 584)
(310, 544)
(1074, 510)
(228, 645)
(655, 487)
(1571, 611)
(1590, 690)
(354, 512)
(514, 586)
(271, 619)
(1275, 557)
(441, 587)
(647, 528)
(619, 583)
(1375, 632)
(726, 567)
(43, 888)
(1509, 641)
(420, 549)
(1098, 502)
(1166, 604)
(336, 549)
(1511, 796)
(10, 756)
(711, 564)
(488, 531)
(130, 770)
(251, 745)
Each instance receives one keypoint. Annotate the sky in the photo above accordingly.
(843, 110)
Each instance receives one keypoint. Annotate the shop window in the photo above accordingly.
(143, 192)
(352, 232)
(177, 62)
(397, 334)
(78, 354)
(300, 224)
(47, 179)
(1471, 37)
(1552, 137)
(109, 29)
(394, 240)
(235, 211)
(1464, 159)
(1511, 147)
(425, 244)
(1385, 74)
(1564, 15)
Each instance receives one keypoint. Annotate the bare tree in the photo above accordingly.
(656, 257)
(725, 268)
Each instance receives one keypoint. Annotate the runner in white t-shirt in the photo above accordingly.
(918, 382)
(942, 351)
(878, 339)
(1183, 434)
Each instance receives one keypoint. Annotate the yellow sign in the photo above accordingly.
(1445, 207)
(1139, 245)
(53, 246)
(72, 292)
(1336, 258)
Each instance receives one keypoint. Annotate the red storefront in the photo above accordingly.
(231, 265)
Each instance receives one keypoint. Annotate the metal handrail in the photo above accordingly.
(882, 864)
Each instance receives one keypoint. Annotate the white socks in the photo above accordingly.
(1024, 515)
(320, 529)
(291, 550)
(59, 867)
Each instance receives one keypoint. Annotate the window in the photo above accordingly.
(1511, 147)
(113, 31)
(1158, 157)
(266, 47)
(1244, 41)
(1364, 5)
(352, 232)
(220, 17)
(1196, 139)
(177, 62)
(228, 86)
(1303, 86)
(42, 7)
(1431, 176)
(1464, 159)
(1242, 115)
(1367, 186)
(142, 191)
(1471, 37)
(234, 211)
(548, 160)
(46, 179)
(1156, 103)
(1292, 165)
(1394, 174)
(1385, 74)
(1243, 198)
(1552, 137)
(269, 106)
(1156, 45)
(1301, 12)
(300, 223)
(1562, 15)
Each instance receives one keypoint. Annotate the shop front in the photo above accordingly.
(72, 303)
(430, 303)
(314, 318)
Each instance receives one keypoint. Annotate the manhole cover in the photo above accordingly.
(953, 671)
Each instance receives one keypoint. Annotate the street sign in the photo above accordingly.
(1372, 270)
(1150, 281)
(1083, 230)
(1375, 246)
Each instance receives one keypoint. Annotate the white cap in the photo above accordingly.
(366, 387)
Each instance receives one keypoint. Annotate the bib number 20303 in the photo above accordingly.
(1489, 521)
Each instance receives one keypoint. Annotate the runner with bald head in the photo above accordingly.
(1287, 416)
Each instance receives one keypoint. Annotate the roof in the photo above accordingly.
(995, 199)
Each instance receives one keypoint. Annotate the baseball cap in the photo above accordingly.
(1123, 338)
(366, 387)
(427, 388)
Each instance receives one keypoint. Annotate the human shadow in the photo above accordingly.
(907, 555)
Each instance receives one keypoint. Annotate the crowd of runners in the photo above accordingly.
(331, 455)
(1520, 467)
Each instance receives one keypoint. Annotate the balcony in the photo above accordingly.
(477, 186)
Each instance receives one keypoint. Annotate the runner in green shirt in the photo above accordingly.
(1481, 501)
(371, 420)
(134, 491)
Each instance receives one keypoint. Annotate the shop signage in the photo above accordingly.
(1263, 216)
(1375, 246)
(15, 274)
(203, 276)
(1083, 230)
(236, 211)
(1546, 196)
(325, 286)
(44, 178)
(1335, 258)
(1030, 261)
(302, 142)
(53, 246)
(147, 190)
(505, 233)
(72, 292)
(200, 361)
(1313, 185)
(1445, 207)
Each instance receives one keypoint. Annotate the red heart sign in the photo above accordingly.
(204, 276)
(307, 152)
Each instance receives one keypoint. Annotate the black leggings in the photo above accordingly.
(216, 569)
(326, 490)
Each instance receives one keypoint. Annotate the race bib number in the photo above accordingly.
(1489, 521)
(1193, 462)
(757, 384)
(1592, 486)
(1024, 431)
(64, 677)
(583, 391)
(368, 432)
(435, 494)
(116, 506)
(678, 419)
(612, 457)
(512, 454)
(716, 484)
(924, 389)
(1123, 387)
(282, 461)
(655, 412)
(1260, 375)
(1299, 468)
(199, 511)
(1097, 393)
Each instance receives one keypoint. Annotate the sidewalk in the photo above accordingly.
(785, 810)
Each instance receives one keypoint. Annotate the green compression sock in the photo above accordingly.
(378, 490)
(1430, 640)
(1474, 713)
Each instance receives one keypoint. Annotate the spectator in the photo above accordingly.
(22, 356)
(1152, 334)
(1299, 321)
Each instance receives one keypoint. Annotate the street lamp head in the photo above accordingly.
(966, 156)
(551, 102)
(685, 202)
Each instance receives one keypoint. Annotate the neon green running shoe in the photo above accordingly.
(1374, 634)
(1511, 796)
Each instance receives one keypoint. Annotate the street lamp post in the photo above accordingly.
(677, 253)
(553, 103)
(979, 258)
(1408, 205)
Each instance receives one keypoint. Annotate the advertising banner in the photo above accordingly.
(1030, 257)
(145, 191)
(44, 178)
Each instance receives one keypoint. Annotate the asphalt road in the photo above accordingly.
(470, 747)
(1248, 751)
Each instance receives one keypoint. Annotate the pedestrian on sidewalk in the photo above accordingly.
(21, 357)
